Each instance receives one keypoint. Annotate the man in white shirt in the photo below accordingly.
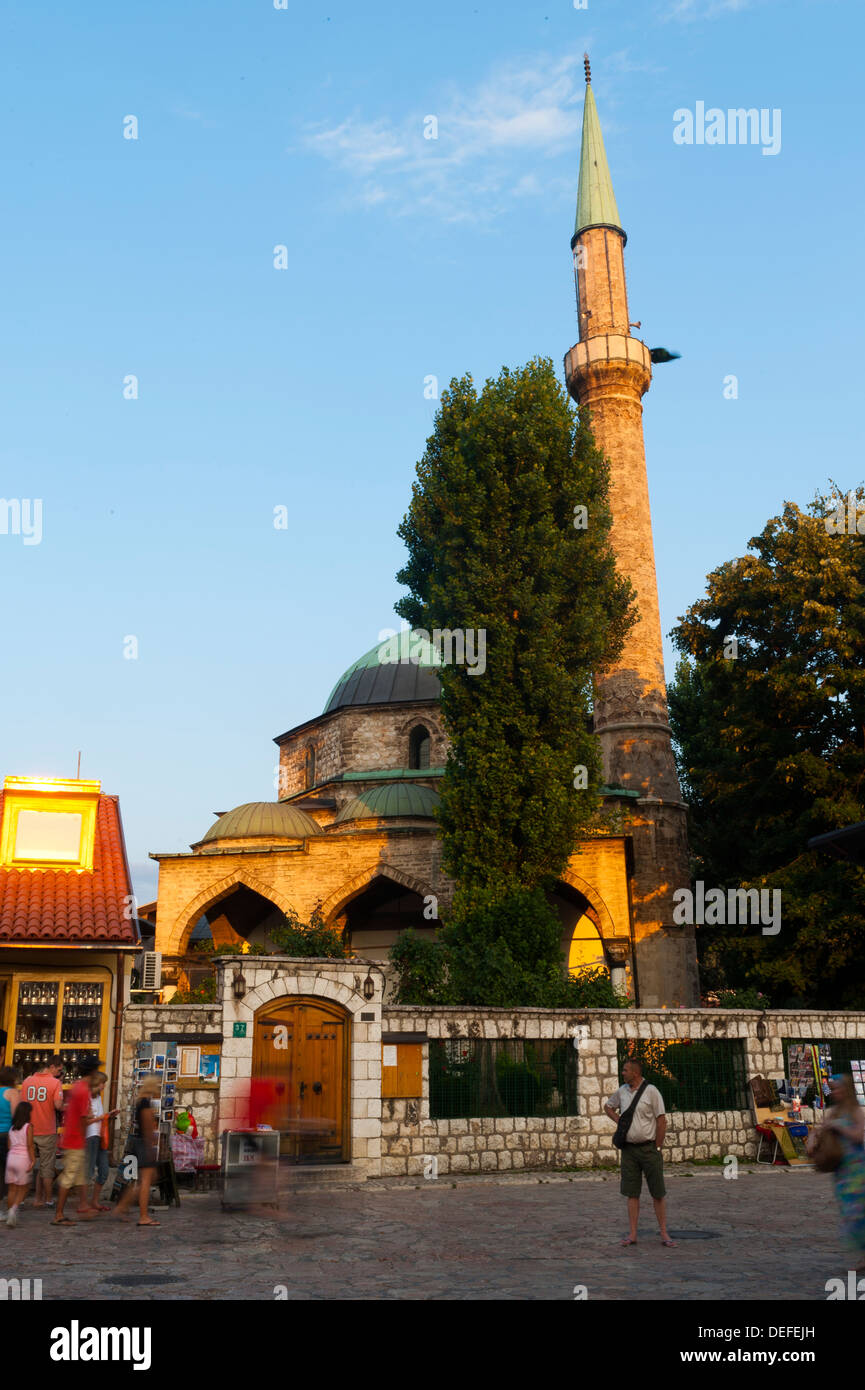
(644, 1142)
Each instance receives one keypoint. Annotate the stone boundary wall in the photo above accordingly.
(410, 1138)
(139, 1021)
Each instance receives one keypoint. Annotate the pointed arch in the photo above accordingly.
(333, 905)
(214, 893)
(597, 909)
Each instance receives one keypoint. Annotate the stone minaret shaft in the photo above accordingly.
(608, 372)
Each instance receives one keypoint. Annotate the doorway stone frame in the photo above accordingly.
(265, 979)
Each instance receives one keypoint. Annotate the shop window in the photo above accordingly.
(419, 747)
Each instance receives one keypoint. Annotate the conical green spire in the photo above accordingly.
(596, 201)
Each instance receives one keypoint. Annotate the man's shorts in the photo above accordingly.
(73, 1174)
(638, 1159)
(46, 1155)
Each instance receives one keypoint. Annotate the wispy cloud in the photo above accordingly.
(690, 10)
(489, 142)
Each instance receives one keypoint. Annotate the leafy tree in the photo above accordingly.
(770, 730)
(493, 548)
(312, 938)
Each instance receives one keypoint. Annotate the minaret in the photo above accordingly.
(608, 372)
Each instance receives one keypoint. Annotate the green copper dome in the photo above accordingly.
(596, 201)
(263, 820)
(399, 668)
(394, 799)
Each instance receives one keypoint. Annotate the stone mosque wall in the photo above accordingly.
(357, 739)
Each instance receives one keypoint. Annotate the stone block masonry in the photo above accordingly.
(140, 1022)
(503, 1144)
(398, 1137)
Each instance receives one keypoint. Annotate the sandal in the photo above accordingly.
(148, 1223)
(628, 1241)
(63, 1221)
(668, 1242)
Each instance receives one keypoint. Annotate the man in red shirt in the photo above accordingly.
(45, 1094)
(75, 1121)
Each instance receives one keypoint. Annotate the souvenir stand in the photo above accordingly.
(157, 1059)
(781, 1139)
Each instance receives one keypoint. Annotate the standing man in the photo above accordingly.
(642, 1150)
(45, 1094)
(78, 1116)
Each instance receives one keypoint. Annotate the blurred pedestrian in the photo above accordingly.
(96, 1162)
(847, 1117)
(9, 1098)
(20, 1159)
(77, 1117)
(143, 1149)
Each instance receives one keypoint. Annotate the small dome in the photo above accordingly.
(394, 799)
(263, 820)
(401, 668)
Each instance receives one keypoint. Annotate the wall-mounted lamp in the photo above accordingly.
(761, 1027)
(238, 982)
(368, 987)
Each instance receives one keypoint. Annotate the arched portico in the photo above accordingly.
(209, 897)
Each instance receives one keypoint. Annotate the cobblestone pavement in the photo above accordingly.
(775, 1237)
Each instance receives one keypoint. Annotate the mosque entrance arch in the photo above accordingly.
(300, 1077)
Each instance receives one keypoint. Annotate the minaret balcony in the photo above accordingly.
(608, 363)
(607, 347)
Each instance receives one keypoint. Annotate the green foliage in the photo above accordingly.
(503, 952)
(203, 993)
(210, 948)
(488, 957)
(312, 938)
(422, 966)
(749, 998)
(591, 989)
(492, 548)
(772, 753)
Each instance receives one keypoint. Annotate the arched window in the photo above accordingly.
(419, 747)
(310, 766)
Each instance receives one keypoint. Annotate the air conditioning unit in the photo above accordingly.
(151, 969)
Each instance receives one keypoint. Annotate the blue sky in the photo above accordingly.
(407, 257)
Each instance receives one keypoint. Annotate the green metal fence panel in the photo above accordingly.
(487, 1077)
(693, 1073)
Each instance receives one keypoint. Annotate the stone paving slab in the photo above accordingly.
(774, 1236)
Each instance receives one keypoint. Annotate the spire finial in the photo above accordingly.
(587, 65)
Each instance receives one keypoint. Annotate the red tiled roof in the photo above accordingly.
(42, 905)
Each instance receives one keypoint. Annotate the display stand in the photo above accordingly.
(770, 1118)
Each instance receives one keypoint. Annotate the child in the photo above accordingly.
(20, 1158)
(97, 1146)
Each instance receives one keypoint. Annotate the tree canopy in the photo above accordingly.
(768, 713)
(493, 548)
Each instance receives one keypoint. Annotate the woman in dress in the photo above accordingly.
(847, 1118)
(20, 1157)
(144, 1137)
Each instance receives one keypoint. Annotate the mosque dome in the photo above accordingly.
(393, 800)
(397, 669)
(262, 820)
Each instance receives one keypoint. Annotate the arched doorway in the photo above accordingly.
(582, 943)
(300, 1077)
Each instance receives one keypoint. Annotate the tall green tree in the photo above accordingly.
(768, 712)
(493, 548)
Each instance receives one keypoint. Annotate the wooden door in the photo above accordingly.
(300, 1064)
